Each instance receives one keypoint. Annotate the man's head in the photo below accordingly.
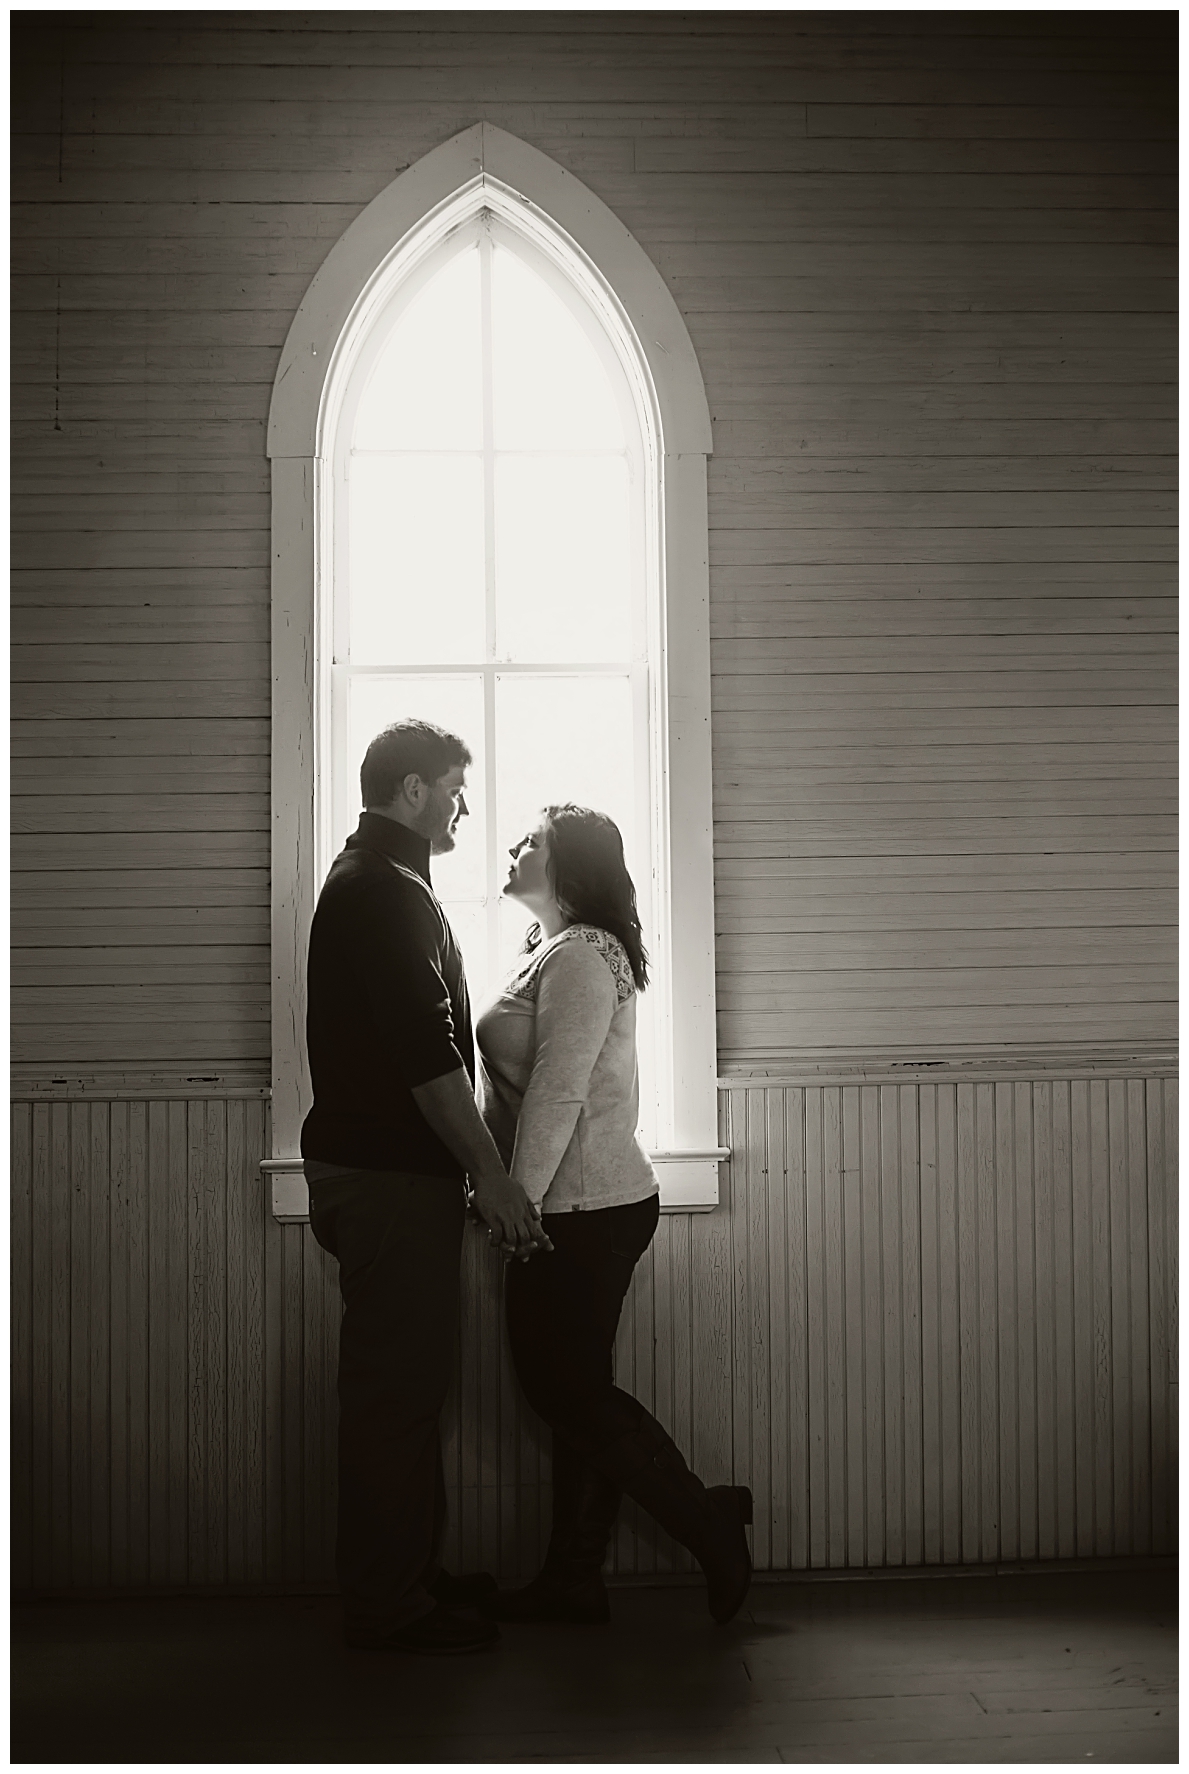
(415, 773)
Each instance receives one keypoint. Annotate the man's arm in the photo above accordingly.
(448, 1104)
(402, 932)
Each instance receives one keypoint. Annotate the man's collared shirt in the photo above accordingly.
(387, 1007)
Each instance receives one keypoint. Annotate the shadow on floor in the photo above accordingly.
(1036, 1668)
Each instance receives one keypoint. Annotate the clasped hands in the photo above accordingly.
(513, 1221)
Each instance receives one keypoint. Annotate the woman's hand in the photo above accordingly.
(513, 1221)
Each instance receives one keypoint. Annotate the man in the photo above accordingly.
(392, 1135)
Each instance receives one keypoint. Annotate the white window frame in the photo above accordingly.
(485, 168)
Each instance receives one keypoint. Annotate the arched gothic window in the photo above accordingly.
(479, 518)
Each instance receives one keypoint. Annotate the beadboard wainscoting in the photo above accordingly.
(930, 1323)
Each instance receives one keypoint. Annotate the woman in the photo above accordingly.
(559, 1090)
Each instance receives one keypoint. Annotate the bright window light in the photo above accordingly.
(551, 390)
(562, 558)
(563, 739)
(425, 391)
(417, 559)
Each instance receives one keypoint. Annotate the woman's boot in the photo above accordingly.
(569, 1586)
(709, 1522)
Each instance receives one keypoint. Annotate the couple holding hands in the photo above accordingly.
(554, 1167)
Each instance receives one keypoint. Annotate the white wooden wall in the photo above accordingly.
(930, 276)
(929, 272)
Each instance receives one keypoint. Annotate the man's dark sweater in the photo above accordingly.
(387, 1006)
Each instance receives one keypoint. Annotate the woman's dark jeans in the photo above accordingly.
(563, 1311)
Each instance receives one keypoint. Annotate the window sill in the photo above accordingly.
(689, 1183)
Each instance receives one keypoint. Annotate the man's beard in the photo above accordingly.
(442, 844)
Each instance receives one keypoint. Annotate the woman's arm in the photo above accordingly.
(576, 1000)
(448, 1104)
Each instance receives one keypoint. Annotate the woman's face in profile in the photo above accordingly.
(528, 877)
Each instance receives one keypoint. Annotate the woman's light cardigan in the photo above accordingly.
(558, 1081)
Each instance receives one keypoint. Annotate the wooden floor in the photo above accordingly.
(1035, 1668)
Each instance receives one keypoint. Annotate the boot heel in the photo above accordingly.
(746, 1506)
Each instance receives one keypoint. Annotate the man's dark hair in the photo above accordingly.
(408, 748)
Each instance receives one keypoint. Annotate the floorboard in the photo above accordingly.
(1018, 1668)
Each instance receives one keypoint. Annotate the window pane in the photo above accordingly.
(468, 920)
(426, 389)
(453, 703)
(563, 562)
(550, 388)
(514, 920)
(563, 739)
(417, 559)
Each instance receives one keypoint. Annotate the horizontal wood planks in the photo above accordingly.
(929, 273)
(929, 1324)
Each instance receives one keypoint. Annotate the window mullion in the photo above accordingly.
(489, 733)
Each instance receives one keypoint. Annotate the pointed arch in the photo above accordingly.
(485, 169)
(483, 165)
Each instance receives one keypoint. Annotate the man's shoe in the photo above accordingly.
(580, 1603)
(466, 1591)
(438, 1634)
(568, 1589)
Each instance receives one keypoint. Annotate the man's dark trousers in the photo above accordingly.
(398, 1240)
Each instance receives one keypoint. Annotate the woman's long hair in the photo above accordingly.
(590, 880)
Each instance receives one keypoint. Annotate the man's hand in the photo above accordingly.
(513, 1222)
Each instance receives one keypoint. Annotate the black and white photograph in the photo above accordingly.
(594, 999)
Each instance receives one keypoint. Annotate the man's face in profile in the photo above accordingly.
(444, 809)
